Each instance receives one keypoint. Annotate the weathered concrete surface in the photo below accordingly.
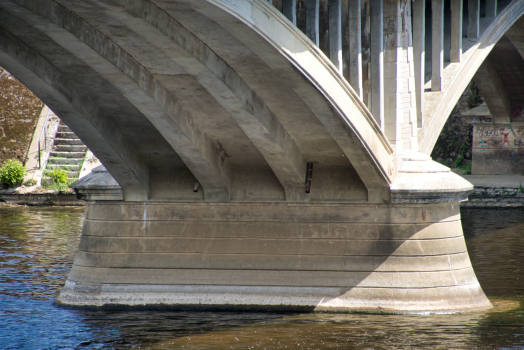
(388, 258)
(207, 115)
(407, 256)
(55, 199)
(233, 97)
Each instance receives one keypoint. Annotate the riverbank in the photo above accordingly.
(495, 191)
(38, 196)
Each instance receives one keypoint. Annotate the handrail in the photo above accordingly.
(45, 139)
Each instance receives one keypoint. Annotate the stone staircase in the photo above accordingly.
(68, 154)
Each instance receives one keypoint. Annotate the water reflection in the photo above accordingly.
(37, 249)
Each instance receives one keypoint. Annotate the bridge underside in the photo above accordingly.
(169, 94)
(244, 172)
(497, 129)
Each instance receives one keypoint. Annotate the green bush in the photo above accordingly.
(59, 176)
(31, 182)
(12, 172)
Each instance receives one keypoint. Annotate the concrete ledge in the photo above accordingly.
(421, 180)
(279, 299)
(495, 191)
(42, 199)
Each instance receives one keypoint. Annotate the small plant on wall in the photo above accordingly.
(12, 172)
(59, 180)
(59, 176)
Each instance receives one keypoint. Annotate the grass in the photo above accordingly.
(466, 167)
(59, 187)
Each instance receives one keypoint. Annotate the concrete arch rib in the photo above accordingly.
(202, 167)
(446, 100)
(359, 136)
(180, 68)
(51, 84)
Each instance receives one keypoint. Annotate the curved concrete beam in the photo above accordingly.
(202, 78)
(57, 87)
(356, 132)
(371, 153)
(445, 101)
(145, 91)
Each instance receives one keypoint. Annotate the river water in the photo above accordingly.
(37, 247)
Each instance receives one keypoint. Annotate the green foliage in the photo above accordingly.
(467, 169)
(474, 99)
(444, 162)
(60, 187)
(59, 176)
(12, 172)
(460, 158)
(31, 182)
(458, 161)
(520, 188)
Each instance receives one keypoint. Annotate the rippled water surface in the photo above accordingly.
(37, 249)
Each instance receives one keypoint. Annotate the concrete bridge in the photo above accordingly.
(262, 155)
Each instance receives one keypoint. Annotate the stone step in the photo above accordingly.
(70, 148)
(66, 135)
(63, 128)
(67, 154)
(65, 160)
(72, 167)
(47, 179)
(59, 141)
(70, 173)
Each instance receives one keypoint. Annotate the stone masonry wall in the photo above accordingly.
(19, 111)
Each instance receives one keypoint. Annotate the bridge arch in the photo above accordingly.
(438, 105)
(161, 101)
(229, 93)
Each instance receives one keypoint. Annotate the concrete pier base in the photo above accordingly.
(274, 256)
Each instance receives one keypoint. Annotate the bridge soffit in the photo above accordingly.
(60, 91)
(359, 136)
(353, 129)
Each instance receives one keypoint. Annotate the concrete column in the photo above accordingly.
(419, 51)
(289, 9)
(473, 18)
(377, 61)
(491, 8)
(400, 116)
(456, 31)
(312, 18)
(437, 44)
(494, 92)
(335, 33)
(355, 47)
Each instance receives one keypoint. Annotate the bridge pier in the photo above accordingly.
(405, 256)
(238, 101)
